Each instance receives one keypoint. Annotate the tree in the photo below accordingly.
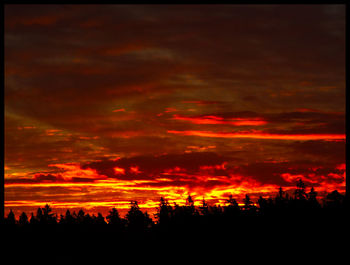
(300, 193)
(312, 196)
(62, 221)
(69, 219)
(189, 201)
(88, 220)
(164, 212)
(39, 216)
(263, 204)
(136, 219)
(280, 193)
(334, 199)
(114, 219)
(11, 219)
(232, 202)
(23, 219)
(47, 216)
(247, 202)
(204, 208)
(232, 209)
(189, 207)
(80, 217)
(100, 220)
(33, 220)
(249, 206)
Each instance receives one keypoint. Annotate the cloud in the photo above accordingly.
(210, 119)
(151, 166)
(262, 135)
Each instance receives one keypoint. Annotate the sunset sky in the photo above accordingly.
(110, 103)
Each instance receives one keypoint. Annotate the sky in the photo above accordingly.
(105, 104)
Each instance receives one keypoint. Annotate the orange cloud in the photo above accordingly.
(300, 137)
(119, 170)
(135, 170)
(74, 171)
(291, 178)
(219, 120)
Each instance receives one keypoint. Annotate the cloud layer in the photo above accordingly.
(105, 103)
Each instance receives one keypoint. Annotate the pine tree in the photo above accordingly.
(23, 219)
(11, 219)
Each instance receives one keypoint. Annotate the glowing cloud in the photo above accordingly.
(74, 171)
(220, 120)
(119, 170)
(298, 137)
(119, 110)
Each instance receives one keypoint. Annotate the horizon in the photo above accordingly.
(152, 211)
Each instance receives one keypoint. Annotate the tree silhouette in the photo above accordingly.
(47, 216)
(281, 199)
(100, 220)
(88, 220)
(263, 205)
(204, 208)
(80, 217)
(334, 200)
(189, 201)
(190, 209)
(280, 193)
(247, 202)
(61, 221)
(232, 209)
(33, 220)
(203, 220)
(164, 212)
(11, 219)
(249, 207)
(39, 216)
(136, 219)
(312, 199)
(68, 219)
(114, 219)
(300, 193)
(23, 219)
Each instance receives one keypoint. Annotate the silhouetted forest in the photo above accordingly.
(168, 216)
(277, 221)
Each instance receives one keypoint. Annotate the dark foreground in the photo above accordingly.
(281, 230)
(251, 239)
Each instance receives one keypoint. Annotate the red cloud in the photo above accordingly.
(135, 170)
(119, 110)
(119, 170)
(257, 135)
(211, 119)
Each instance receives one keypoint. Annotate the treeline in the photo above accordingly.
(283, 205)
(286, 224)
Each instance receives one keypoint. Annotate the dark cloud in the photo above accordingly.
(272, 172)
(152, 166)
